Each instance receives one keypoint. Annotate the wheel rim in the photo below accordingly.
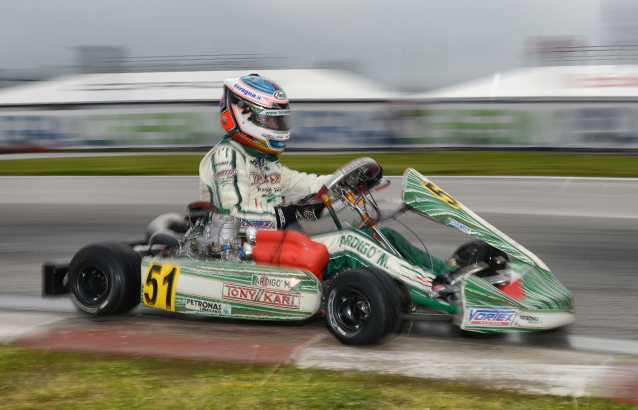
(352, 309)
(92, 284)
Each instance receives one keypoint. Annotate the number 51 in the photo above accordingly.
(159, 286)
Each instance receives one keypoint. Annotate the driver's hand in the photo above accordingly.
(289, 214)
(310, 212)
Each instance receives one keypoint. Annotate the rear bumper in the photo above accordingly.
(54, 274)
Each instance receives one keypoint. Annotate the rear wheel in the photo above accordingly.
(105, 279)
(363, 307)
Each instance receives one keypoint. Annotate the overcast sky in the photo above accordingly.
(424, 43)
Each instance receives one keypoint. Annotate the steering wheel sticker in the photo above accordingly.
(442, 195)
(353, 164)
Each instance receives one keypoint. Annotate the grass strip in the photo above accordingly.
(36, 379)
(428, 163)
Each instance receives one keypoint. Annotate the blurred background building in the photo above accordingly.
(559, 91)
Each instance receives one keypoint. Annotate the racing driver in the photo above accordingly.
(242, 174)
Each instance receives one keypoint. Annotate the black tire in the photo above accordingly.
(134, 280)
(104, 279)
(363, 307)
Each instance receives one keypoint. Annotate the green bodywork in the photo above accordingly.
(232, 290)
(543, 303)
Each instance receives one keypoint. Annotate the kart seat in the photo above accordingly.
(200, 209)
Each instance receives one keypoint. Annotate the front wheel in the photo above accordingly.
(105, 279)
(363, 307)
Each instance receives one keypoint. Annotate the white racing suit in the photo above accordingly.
(249, 185)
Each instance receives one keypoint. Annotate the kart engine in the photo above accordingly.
(218, 237)
(207, 234)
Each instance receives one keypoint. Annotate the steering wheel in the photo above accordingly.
(351, 184)
(350, 177)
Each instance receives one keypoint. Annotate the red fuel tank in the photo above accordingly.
(291, 249)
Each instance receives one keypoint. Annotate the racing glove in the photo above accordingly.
(289, 214)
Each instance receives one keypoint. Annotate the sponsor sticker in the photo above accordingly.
(258, 179)
(260, 296)
(245, 223)
(280, 95)
(492, 317)
(277, 283)
(308, 215)
(527, 319)
(276, 113)
(209, 307)
(352, 165)
(274, 178)
(247, 92)
(459, 225)
(365, 248)
(224, 174)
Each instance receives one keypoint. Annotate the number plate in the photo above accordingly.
(159, 286)
(444, 196)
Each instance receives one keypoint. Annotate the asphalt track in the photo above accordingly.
(582, 228)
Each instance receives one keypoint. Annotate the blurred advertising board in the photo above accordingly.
(315, 126)
(109, 127)
(319, 126)
(561, 125)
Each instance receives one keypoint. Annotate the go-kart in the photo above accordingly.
(213, 264)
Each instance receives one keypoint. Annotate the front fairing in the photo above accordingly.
(534, 300)
(425, 198)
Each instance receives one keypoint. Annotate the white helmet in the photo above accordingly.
(255, 112)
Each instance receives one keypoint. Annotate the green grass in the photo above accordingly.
(36, 379)
(111, 165)
(428, 163)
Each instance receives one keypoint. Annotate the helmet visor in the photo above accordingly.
(275, 120)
